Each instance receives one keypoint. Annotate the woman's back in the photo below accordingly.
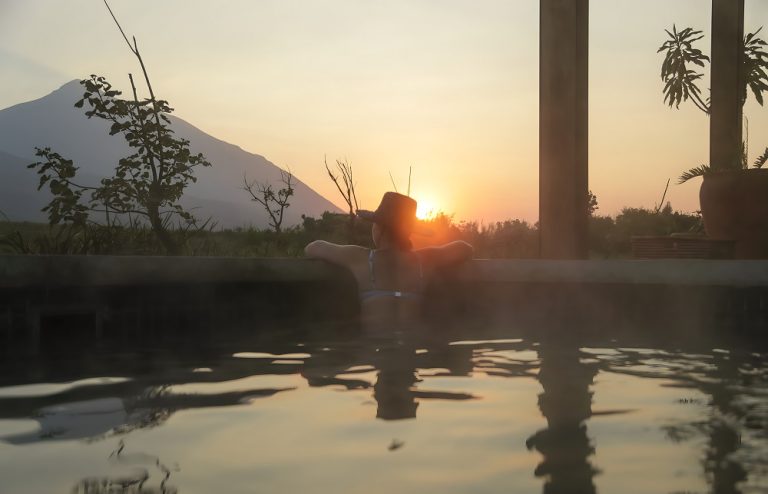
(392, 290)
(390, 282)
(391, 278)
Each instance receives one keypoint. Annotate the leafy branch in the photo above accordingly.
(698, 171)
(681, 77)
(755, 66)
(680, 81)
(761, 160)
(680, 74)
(148, 183)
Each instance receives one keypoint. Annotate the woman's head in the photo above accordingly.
(393, 220)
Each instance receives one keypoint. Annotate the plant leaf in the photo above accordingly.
(698, 171)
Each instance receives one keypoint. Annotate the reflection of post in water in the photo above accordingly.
(723, 470)
(393, 389)
(566, 403)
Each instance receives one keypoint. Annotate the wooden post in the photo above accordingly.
(563, 129)
(727, 81)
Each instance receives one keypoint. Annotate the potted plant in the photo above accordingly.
(734, 197)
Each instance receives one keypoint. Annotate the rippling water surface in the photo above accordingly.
(385, 416)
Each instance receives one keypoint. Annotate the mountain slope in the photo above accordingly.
(18, 197)
(53, 121)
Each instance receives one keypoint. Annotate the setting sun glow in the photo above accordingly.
(425, 209)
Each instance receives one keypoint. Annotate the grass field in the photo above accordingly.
(610, 237)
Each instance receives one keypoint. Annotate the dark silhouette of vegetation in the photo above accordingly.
(680, 80)
(610, 237)
(274, 203)
(657, 209)
(347, 190)
(680, 72)
(762, 159)
(146, 185)
(95, 238)
(591, 203)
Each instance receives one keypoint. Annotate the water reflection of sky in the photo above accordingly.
(473, 416)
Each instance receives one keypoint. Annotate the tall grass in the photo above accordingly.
(610, 237)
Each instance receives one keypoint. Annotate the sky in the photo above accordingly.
(447, 87)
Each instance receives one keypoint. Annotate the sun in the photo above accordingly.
(425, 209)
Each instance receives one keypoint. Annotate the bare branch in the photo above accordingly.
(348, 192)
(660, 205)
(119, 27)
(135, 50)
(274, 203)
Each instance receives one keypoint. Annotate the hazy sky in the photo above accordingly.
(447, 86)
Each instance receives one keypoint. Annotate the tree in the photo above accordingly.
(591, 203)
(149, 183)
(347, 191)
(274, 203)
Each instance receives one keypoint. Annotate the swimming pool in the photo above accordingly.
(406, 414)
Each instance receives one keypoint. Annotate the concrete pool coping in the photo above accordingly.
(17, 271)
(134, 298)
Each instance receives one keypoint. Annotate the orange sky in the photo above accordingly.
(449, 87)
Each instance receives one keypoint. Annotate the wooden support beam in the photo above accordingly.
(563, 128)
(727, 81)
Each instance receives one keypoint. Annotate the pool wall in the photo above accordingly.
(50, 298)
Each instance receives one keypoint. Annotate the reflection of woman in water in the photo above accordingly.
(391, 277)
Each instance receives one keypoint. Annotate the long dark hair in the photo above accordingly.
(400, 237)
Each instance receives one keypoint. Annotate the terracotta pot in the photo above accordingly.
(734, 205)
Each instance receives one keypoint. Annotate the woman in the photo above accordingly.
(391, 277)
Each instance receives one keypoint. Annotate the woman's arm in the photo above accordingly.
(337, 254)
(451, 253)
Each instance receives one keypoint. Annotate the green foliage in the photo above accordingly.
(698, 171)
(609, 237)
(97, 239)
(680, 80)
(755, 66)
(152, 179)
(761, 160)
(612, 237)
(502, 239)
(603, 243)
(335, 228)
(148, 183)
(592, 203)
(58, 172)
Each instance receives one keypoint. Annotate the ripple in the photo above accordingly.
(48, 389)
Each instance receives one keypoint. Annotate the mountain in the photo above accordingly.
(18, 200)
(52, 121)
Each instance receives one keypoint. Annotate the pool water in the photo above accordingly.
(387, 416)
